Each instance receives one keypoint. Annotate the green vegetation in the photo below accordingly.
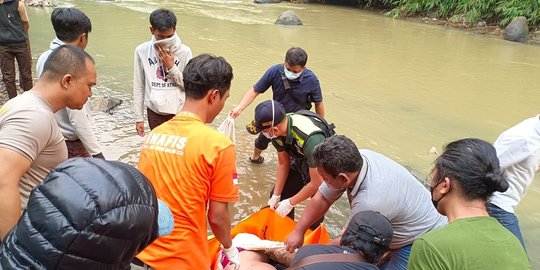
(468, 12)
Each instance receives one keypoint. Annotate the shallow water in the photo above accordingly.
(396, 87)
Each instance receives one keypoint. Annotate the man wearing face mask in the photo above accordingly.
(294, 136)
(293, 85)
(157, 79)
(372, 182)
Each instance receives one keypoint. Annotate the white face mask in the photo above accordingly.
(291, 75)
(267, 135)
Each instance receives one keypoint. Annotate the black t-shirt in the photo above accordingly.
(330, 249)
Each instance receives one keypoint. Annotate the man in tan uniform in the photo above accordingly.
(31, 143)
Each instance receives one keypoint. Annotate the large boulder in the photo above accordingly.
(517, 30)
(266, 1)
(104, 104)
(288, 18)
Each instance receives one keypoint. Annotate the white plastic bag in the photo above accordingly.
(227, 128)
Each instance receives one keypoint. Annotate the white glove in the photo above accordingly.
(273, 201)
(284, 208)
(233, 256)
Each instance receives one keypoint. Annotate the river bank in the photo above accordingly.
(480, 29)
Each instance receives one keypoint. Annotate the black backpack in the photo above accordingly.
(319, 121)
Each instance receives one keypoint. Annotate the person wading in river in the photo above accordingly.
(293, 85)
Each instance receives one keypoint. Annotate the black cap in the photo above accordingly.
(371, 226)
(264, 118)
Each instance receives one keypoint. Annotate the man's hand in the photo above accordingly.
(274, 201)
(235, 112)
(284, 208)
(294, 241)
(139, 126)
(233, 255)
(165, 55)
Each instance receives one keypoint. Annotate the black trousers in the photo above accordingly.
(262, 142)
(293, 185)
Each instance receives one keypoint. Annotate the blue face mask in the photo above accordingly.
(291, 75)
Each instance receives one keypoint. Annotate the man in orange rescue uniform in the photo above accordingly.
(192, 167)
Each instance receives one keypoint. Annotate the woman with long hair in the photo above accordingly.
(463, 178)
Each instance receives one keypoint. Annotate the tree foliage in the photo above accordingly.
(466, 11)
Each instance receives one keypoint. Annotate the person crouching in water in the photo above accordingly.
(87, 214)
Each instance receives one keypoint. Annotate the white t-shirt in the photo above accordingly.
(385, 186)
(518, 150)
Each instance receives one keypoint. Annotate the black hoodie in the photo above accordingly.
(87, 214)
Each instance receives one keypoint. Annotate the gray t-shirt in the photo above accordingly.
(388, 188)
(28, 127)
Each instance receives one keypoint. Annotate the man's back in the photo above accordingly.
(11, 28)
(393, 191)
(302, 136)
(28, 126)
(310, 250)
(188, 164)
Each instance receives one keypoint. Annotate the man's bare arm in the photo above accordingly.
(319, 108)
(12, 167)
(24, 16)
(220, 222)
(247, 99)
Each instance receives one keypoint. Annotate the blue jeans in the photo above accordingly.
(398, 259)
(507, 219)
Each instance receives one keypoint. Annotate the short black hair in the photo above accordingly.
(296, 56)
(66, 59)
(372, 252)
(206, 72)
(70, 23)
(338, 154)
(162, 19)
(473, 163)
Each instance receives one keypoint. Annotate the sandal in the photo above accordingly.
(260, 160)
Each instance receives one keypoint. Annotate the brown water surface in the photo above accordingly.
(396, 87)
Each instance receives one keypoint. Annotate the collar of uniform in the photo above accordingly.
(361, 177)
(189, 115)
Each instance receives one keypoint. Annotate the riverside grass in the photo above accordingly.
(467, 12)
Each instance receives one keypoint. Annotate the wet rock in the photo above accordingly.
(482, 24)
(104, 104)
(288, 18)
(517, 30)
(40, 3)
(266, 1)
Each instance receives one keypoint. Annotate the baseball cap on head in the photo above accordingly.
(267, 114)
(371, 226)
